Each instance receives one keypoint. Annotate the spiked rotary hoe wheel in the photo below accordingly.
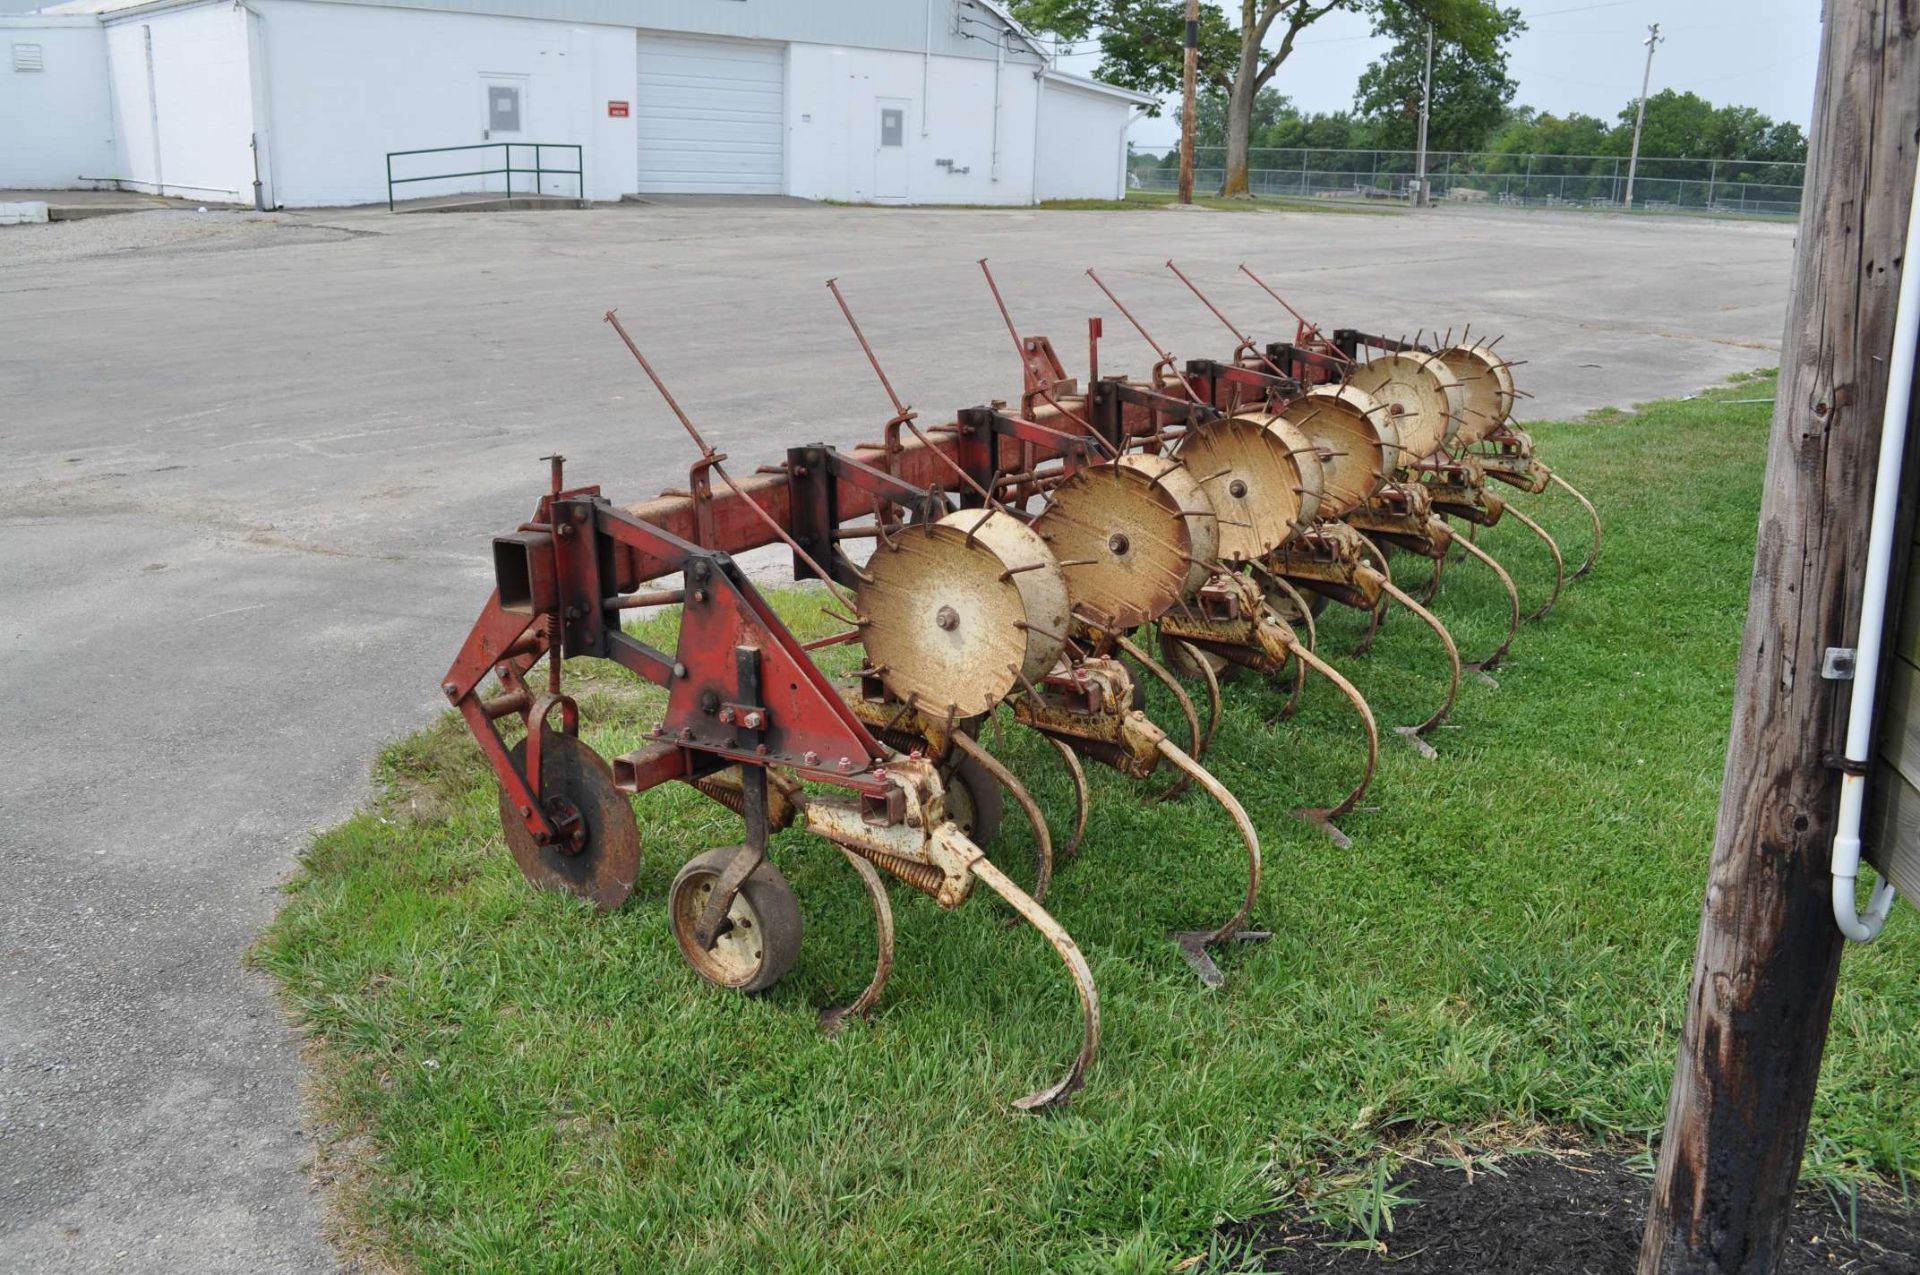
(961, 611)
(1422, 394)
(1133, 538)
(1263, 477)
(1358, 442)
(1487, 391)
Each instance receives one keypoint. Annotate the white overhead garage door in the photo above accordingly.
(712, 116)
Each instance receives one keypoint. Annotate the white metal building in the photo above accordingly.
(299, 102)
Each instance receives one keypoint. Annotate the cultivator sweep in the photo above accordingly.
(1052, 556)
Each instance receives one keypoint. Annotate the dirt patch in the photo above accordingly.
(1549, 1213)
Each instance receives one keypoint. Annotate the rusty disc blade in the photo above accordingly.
(603, 870)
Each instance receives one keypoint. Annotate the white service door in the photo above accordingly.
(890, 148)
(503, 106)
(711, 116)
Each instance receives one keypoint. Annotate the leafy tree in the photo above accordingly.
(1142, 43)
(1471, 89)
(1678, 126)
(1528, 133)
(1279, 125)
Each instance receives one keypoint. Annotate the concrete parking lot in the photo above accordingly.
(249, 467)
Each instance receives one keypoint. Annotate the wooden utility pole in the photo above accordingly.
(1640, 112)
(1426, 111)
(1188, 75)
(1769, 952)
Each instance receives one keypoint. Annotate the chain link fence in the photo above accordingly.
(1718, 186)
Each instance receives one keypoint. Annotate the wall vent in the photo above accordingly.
(28, 57)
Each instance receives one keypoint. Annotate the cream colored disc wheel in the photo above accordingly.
(1134, 538)
(761, 940)
(1421, 393)
(1487, 389)
(1263, 477)
(960, 611)
(1359, 441)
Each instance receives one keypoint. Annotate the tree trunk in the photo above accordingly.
(1246, 86)
(1769, 952)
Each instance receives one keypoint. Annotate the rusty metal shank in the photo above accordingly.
(1513, 606)
(831, 1020)
(1324, 817)
(1559, 563)
(1194, 943)
(1199, 662)
(1416, 735)
(1082, 794)
(1042, 838)
(1167, 679)
(1593, 516)
(1040, 919)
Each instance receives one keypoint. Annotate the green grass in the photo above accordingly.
(514, 1082)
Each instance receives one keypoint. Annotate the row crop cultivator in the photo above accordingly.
(1044, 554)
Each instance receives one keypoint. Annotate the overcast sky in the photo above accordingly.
(1582, 55)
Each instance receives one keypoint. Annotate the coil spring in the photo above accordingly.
(921, 876)
(780, 807)
(726, 794)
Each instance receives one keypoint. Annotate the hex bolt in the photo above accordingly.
(761, 749)
(1237, 488)
(846, 764)
(699, 595)
(526, 812)
(579, 515)
(450, 689)
(1118, 544)
(754, 721)
(564, 530)
(811, 758)
(679, 669)
(726, 715)
(686, 732)
(947, 618)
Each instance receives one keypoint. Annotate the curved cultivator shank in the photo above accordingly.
(1006, 562)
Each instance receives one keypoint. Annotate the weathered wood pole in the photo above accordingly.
(1189, 73)
(1769, 952)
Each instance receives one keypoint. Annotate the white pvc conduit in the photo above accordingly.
(1873, 607)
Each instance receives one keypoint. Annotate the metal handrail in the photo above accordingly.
(539, 169)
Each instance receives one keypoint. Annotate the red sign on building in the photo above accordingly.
(617, 110)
